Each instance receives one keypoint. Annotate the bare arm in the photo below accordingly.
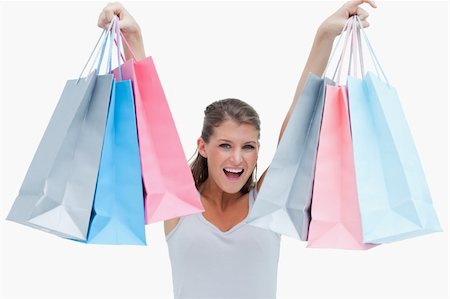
(317, 60)
(315, 64)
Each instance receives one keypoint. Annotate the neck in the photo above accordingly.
(216, 196)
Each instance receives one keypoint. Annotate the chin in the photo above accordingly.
(233, 190)
(234, 187)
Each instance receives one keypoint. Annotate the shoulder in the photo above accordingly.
(170, 224)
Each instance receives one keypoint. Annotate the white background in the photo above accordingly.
(205, 51)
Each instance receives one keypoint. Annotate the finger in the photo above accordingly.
(363, 14)
(108, 14)
(116, 8)
(359, 2)
(122, 26)
(104, 18)
(365, 24)
(353, 6)
(102, 21)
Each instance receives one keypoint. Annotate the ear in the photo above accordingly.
(201, 147)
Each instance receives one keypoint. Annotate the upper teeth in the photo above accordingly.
(233, 170)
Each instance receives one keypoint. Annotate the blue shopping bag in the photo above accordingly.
(118, 210)
(394, 199)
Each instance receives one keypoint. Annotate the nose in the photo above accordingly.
(236, 157)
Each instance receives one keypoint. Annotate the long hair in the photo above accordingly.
(215, 114)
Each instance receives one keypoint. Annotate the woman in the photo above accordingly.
(215, 254)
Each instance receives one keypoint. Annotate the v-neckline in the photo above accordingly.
(233, 228)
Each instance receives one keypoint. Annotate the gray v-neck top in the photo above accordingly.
(208, 263)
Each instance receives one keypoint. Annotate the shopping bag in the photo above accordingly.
(169, 188)
(394, 198)
(118, 211)
(58, 190)
(57, 193)
(335, 218)
(283, 202)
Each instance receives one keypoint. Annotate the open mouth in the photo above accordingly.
(233, 173)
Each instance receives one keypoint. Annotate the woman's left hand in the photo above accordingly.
(334, 24)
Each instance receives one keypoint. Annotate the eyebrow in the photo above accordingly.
(226, 140)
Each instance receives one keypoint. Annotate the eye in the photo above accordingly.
(225, 146)
(249, 147)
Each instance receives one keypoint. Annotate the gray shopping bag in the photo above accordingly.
(284, 201)
(58, 190)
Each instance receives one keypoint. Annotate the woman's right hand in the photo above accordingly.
(127, 23)
(128, 26)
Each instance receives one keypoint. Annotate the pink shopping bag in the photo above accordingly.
(169, 188)
(335, 217)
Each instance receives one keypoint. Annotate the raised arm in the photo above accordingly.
(128, 25)
(321, 49)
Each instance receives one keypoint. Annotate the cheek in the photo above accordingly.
(251, 158)
(215, 157)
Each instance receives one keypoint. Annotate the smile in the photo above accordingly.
(233, 173)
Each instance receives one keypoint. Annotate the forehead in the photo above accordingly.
(233, 131)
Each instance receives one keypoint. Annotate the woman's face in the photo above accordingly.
(232, 152)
